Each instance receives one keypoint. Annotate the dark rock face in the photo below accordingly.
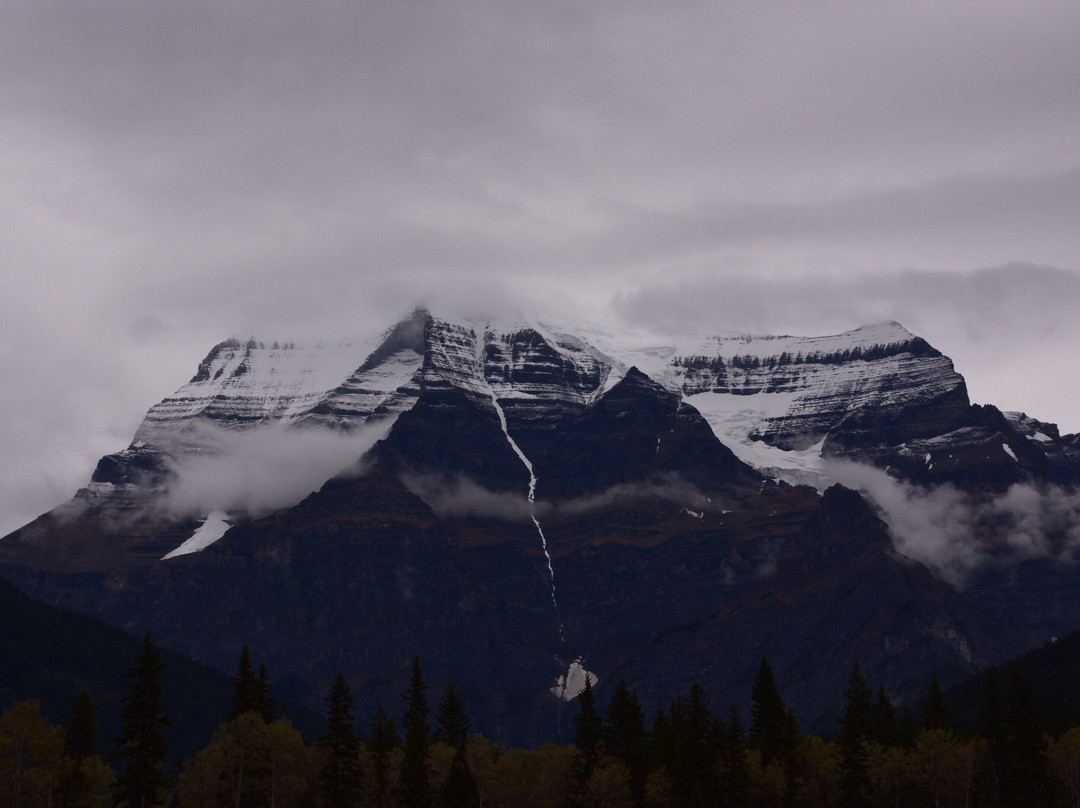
(636, 432)
(650, 550)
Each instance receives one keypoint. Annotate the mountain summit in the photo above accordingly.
(519, 503)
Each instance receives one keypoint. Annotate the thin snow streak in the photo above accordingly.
(532, 503)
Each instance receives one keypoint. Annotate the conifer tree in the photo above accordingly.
(451, 720)
(264, 700)
(80, 730)
(141, 744)
(695, 763)
(624, 737)
(414, 786)
(734, 773)
(459, 790)
(936, 712)
(340, 775)
(854, 733)
(384, 740)
(993, 728)
(586, 738)
(246, 688)
(1025, 783)
(883, 727)
(767, 715)
(80, 745)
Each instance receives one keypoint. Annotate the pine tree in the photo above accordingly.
(936, 712)
(734, 772)
(451, 720)
(767, 715)
(80, 745)
(415, 782)
(587, 738)
(459, 790)
(340, 775)
(264, 700)
(883, 729)
(624, 737)
(141, 744)
(80, 731)
(245, 687)
(855, 727)
(384, 740)
(697, 751)
(1025, 783)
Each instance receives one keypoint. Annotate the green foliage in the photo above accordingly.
(141, 744)
(31, 754)
(414, 783)
(251, 691)
(384, 740)
(340, 777)
(587, 737)
(451, 720)
(624, 738)
(250, 763)
(936, 713)
(767, 715)
(855, 729)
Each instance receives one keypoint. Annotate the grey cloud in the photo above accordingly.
(264, 469)
(311, 170)
(956, 533)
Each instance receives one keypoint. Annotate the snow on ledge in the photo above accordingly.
(569, 685)
(215, 526)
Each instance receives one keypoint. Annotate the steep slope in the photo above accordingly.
(51, 654)
(543, 495)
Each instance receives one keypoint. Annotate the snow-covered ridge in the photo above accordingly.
(771, 399)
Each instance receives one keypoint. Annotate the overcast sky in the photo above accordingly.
(175, 173)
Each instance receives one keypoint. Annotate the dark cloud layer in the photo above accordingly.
(173, 174)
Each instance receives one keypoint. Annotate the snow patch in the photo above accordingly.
(1009, 451)
(213, 528)
(570, 685)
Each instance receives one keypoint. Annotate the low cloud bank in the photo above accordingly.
(460, 496)
(954, 532)
(259, 470)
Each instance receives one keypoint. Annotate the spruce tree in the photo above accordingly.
(734, 772)
(767, 715)
(935, 712)
(246, 690)
(459, 790)
(855, 727)
(264, 700)
(414, 785)
(586, 738)
(451, 720)
(80, 730)
(384, 740)
(340, 775)
(624, 737)
(695, 771)
(1025, 785)
(883, 722)
(80, 744)
(141, 745)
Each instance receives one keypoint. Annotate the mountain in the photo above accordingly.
(51, 654)
(518, 502)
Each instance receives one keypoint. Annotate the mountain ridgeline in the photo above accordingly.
(533, 502)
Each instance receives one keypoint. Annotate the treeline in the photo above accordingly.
(688, 754)
(915, 346)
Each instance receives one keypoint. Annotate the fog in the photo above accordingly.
(955, 533)
(256, 471)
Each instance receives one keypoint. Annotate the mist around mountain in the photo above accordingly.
(515, 501)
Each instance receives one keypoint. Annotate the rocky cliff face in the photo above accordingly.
(542, 495)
